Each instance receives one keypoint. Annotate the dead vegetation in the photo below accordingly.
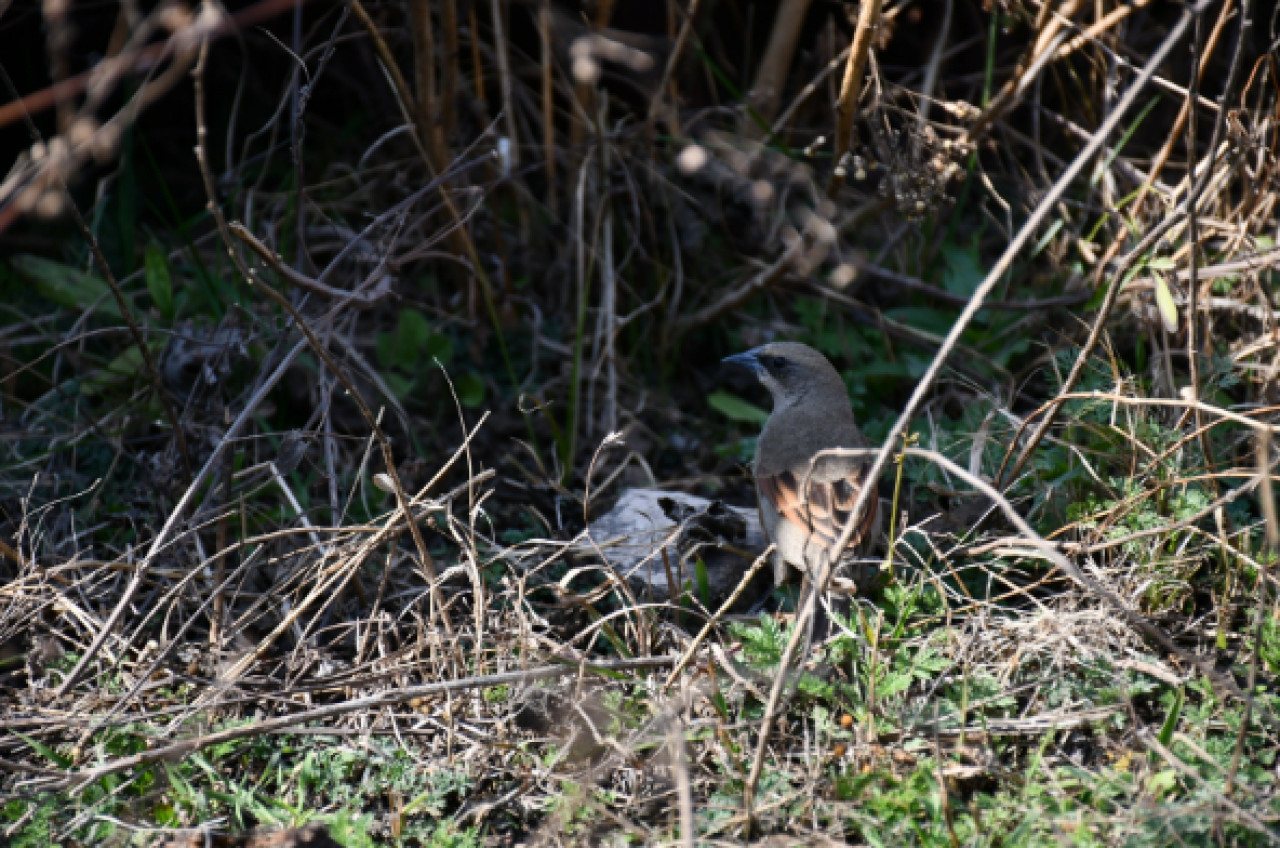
(302, 493)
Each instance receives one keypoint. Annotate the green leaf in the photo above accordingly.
(45, 751)
(704, 585)
(159, 281)
(1269, 645)
(1164, 302)
(401, 386)
(439, 346)
(413, 344)
(1161, 782)
(127, 366)
(65, 285)
(963, 273)
(1171, 720)
(735, 408)
(927, 318)
(412, 333)
(470, 389)
(385, 344)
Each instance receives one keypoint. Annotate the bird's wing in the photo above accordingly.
(823, 508)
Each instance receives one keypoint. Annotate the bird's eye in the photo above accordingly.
(777, 363)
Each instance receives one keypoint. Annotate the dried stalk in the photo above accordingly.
(498, 19)
(771, 74)
(449, 62)
(425, 114)
(666, 81)
(851, 85)
(1180, 122)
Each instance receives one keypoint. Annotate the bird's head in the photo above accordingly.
(789, 370)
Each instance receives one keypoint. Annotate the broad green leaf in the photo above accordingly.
(1161, 782)
(735, 408)
(412, 333)
(128, 365)
(439, 346)
(400, 386)
(413, 344)
(963, 273)
(159, 281)
(385, 344)
(470, 389)
(65, 285)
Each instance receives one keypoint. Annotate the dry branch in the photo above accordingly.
(851, 85)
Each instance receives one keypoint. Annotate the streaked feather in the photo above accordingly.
(822, 509)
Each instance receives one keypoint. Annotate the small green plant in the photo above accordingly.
(1269, 643)
(448, 835)
(762, 643)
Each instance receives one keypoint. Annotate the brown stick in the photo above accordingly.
(398, 82)
(498, 18)
(355, 298)
(751, 572)
(660, 92)
(459, 239)
(851, 85)
(732, 299)
(317, 347)
(428, 562)
(162, 538)
(449, 82)
(424, 65)
(771, 77)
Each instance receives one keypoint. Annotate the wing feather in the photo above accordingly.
(822, 510)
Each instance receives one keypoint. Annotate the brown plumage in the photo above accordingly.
(806, 502)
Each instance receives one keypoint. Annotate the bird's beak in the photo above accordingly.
(747, 361)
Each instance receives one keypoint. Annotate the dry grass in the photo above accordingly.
(266, 562)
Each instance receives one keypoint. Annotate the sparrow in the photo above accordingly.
(805, 500)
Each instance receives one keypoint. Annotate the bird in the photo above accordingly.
(805, 499)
